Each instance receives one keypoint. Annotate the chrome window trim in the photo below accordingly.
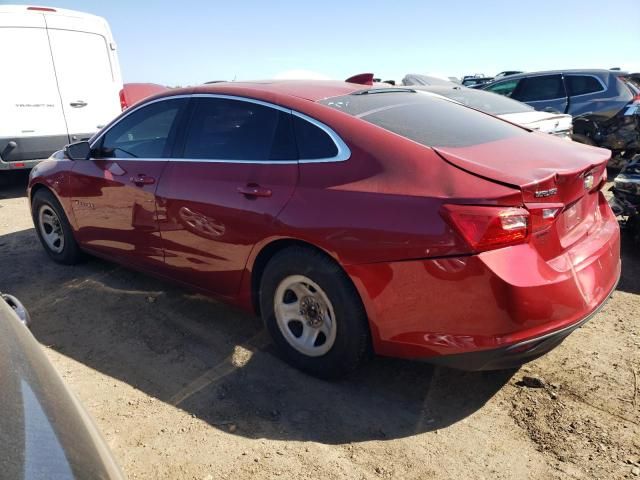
(344, 153)
(343, 150)
(129, 111)
(604, 87)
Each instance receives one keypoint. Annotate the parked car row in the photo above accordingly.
(605, 105)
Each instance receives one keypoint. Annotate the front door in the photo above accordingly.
(114, 191)
(238, 171)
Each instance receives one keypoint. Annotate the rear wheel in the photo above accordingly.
(314, 313)
(53, 228)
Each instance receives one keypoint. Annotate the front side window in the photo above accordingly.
(228, 129)
(535, 89)
(503, 88)
(145, 133)
(582, 84)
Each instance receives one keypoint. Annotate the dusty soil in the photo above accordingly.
(184, 387)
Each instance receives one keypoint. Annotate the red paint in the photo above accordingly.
(424, 286)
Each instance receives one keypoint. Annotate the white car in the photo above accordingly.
(558, 124)
(60, 81)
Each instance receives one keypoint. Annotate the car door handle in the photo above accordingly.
(79, 104)
(254, 190)
(142, 180)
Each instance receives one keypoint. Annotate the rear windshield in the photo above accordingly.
(428, 120)
(485, 101)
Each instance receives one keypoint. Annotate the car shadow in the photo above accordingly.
(217, 363)
(13, 184)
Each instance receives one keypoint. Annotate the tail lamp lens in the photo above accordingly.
(487, 228)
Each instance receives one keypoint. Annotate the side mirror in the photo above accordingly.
(78, 151)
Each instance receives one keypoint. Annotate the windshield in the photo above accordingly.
(481, 100)
(426, 119)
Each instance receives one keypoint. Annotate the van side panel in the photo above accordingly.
(87, 71)
(32, 123)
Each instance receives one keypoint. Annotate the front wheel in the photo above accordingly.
(53, 228)
(314, 313)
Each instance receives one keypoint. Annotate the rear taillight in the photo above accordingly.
(123, 100)
(486, 228)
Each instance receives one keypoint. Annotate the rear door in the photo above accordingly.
(238, 170)
(543, 92)
(114, 191)
(89, 87)
(31, 114)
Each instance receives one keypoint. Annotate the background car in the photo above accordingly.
(556, 124)
(44, 431)
(351, 218)
(132, 93)
(603, 104)
(476, 81)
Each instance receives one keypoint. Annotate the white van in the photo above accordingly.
(60, 81)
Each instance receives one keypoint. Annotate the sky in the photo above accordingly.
(193, 41)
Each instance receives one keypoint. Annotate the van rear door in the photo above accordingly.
(88, 82)
(31, 117)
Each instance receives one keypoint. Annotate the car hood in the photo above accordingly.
(541, 121)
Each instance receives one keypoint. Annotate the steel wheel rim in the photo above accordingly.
(51, 228)
(305, 315)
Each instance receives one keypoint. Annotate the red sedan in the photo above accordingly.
(352, 219)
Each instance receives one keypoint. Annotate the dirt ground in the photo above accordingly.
(184, 387)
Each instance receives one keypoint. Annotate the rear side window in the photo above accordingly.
(145, 133)
(226, 129)
(582, 84)
(503, 88)
(545, 87)
(313, 142)
(428, 120)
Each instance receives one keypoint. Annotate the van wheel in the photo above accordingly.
(314, 313)
(53, 228)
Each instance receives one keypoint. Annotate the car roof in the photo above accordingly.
(313, 90)
(589, 71)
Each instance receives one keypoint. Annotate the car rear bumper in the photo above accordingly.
(513, 355)
(507, 303)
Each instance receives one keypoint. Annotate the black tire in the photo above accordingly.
(71, 253)
(352, 345)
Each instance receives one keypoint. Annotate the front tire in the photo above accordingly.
(53, 228)
(314, 313)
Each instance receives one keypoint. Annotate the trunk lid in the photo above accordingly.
(551, 173)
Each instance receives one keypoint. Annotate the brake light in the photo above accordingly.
(42, 9)
(123, 101)
(487, 228)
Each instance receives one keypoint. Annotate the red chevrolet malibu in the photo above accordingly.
(352, 219)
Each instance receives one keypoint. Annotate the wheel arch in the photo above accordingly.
(64, 203)
(266, 252)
